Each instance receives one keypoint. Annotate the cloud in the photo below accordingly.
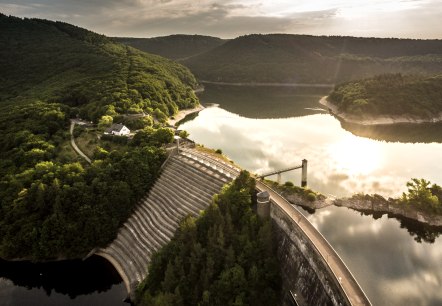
(214, 19)
(390, 266)
(230, 18)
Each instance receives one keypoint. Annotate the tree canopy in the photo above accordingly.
(177, 46)
(423, 195)
(286, 58)
(62, 63)
(227, 256)
(390, 94)
(52, 204)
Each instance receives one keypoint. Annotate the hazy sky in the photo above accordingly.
(230, 18)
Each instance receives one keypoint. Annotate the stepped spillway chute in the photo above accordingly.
(186, 186)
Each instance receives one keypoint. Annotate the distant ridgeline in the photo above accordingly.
(283, 58)
(58, 62)
(53, 205)
(390, 95)
(173, 46)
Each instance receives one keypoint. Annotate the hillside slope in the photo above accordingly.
(314, 59)
(175, 47)
(58, 62)
(390, 95)
(53, 205)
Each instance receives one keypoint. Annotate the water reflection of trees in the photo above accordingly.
(408, 133)
(187, 118)
(265, 102)
(72, 278)
(421, 232)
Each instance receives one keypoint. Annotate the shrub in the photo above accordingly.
(311, 197)
(288, 184)
(184, 134)
(78, 130)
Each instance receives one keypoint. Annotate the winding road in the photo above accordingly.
(74, 145)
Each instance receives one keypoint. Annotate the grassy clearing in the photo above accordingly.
(66, 153)
(216, 153)
(87, 141)
(112, 146)
(90, 138)
(288, 188)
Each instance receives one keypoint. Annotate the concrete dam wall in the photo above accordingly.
(186, 185)
(312, 272)
(303, 272)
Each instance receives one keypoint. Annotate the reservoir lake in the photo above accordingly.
(262, 129)
(269, 128)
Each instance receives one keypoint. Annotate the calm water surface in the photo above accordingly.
(263, 129)
(340, 163)
(90, 282)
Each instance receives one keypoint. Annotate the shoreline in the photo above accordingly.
(371, 207)
(383, 206)
(371, 204)
(268, 84)
(183, 113)
(381, 120)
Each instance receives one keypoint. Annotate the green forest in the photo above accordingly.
(226, 256)
(53, 204)
(286, 58)
(60, 63)
(176, 47)
(390, 94)
(423, 195)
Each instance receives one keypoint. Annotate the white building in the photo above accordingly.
(117, 129)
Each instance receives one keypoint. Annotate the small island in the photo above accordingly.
(387, 99)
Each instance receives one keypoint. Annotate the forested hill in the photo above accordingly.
(58, 62)
(54, 205)
(314, 59)
(390, 95)
(175, 47)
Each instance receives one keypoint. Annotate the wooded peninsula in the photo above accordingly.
(400, 98)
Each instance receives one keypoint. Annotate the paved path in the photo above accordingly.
(348, 283)
(74, 145)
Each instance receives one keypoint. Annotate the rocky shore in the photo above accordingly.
(378, 204)
(368, 204)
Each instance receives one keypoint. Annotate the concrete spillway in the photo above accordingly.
(186, 185)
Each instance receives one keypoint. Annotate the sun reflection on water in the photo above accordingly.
(339, 163)
(355, 156)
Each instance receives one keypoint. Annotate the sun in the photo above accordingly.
(355, 156)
